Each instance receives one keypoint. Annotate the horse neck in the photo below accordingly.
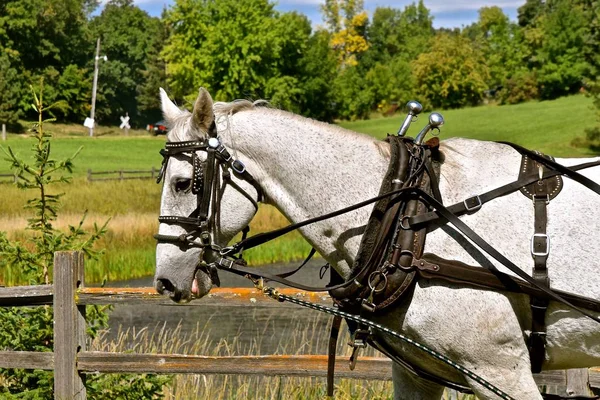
(307, 168)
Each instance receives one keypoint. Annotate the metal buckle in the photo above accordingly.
(225, 262)
(222, 150)
(476, 206)
(239, 170)
(546, 251)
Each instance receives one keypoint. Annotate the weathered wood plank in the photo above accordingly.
(549, 378)
(307, 365)
(578, 382)
(42, 294)
(594, 377)
(67, 381)
(26, 295)
(27, 360)
(217, 296)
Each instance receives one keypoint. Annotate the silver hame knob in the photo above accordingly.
(414, 107)
(436, 119)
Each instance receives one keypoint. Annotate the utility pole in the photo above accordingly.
(94, 87)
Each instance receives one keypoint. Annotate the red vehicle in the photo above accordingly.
(158, 128)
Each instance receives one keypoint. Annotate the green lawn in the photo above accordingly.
(98, 154)
(548, 126)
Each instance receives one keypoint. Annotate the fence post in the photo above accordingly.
(69, 326)
(89, 175)
(120, 175)
(578, 382)
(3, 132)
(153, 171)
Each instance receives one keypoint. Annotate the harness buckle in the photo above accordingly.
(358, 341)
(537, 240)
(223, 151)
(238, 166)
(225, 262)
(476, 200)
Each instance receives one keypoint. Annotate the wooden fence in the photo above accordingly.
(121, 174)
(71, 359)
(8, 178)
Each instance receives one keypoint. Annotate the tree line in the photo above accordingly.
(347, 68)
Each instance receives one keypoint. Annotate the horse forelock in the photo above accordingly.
(223, 108)
(180, 128)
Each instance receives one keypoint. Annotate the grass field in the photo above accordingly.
(547, 126)
(133, 205)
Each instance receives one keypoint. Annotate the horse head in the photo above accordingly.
(207, 198)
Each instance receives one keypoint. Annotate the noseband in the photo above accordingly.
(206, 186)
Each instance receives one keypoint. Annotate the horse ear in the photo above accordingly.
(169, 109)
(203, 116)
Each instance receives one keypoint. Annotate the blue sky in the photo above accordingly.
(446, 13)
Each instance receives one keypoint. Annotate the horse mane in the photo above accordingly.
(181, 131)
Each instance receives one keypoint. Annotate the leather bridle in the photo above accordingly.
(200, 225)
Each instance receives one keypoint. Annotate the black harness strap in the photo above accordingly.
(473, 204)
(475, 238)
(541, 192)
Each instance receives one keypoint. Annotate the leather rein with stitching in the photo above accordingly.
(205, 186)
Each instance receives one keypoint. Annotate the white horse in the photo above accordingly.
(306, 168)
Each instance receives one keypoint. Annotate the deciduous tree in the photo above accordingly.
(452, 73)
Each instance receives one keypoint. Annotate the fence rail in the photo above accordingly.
(121, 174)
(8, 178)
(71, 359)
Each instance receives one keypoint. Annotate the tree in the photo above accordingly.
(556, 38)
(452, 73)
(318, 68)
(503, 47)
(592, 56)
(129, 38)
(236, 54)
(347, 22)
(394, 33)
(42, 38)
(31, 329)
(529, 11)
(10, 88)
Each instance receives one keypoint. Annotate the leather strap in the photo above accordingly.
(473, 204)
(333, 338)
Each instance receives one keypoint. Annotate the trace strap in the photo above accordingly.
(271, 292)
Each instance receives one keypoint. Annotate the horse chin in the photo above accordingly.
(201, 284)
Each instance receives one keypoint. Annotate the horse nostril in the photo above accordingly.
(163, 285)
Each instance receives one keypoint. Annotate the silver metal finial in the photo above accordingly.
(414, 108)
(435, 121)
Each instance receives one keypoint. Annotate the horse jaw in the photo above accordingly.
(177, 275)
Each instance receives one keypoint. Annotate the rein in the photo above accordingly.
(411, 205)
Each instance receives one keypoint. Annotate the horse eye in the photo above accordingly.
(182, 185)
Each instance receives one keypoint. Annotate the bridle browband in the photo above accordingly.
(205, 184)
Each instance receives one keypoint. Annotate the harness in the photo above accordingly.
(206, 186)
(390, 257)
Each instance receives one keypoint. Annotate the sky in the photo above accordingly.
(446, 13)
